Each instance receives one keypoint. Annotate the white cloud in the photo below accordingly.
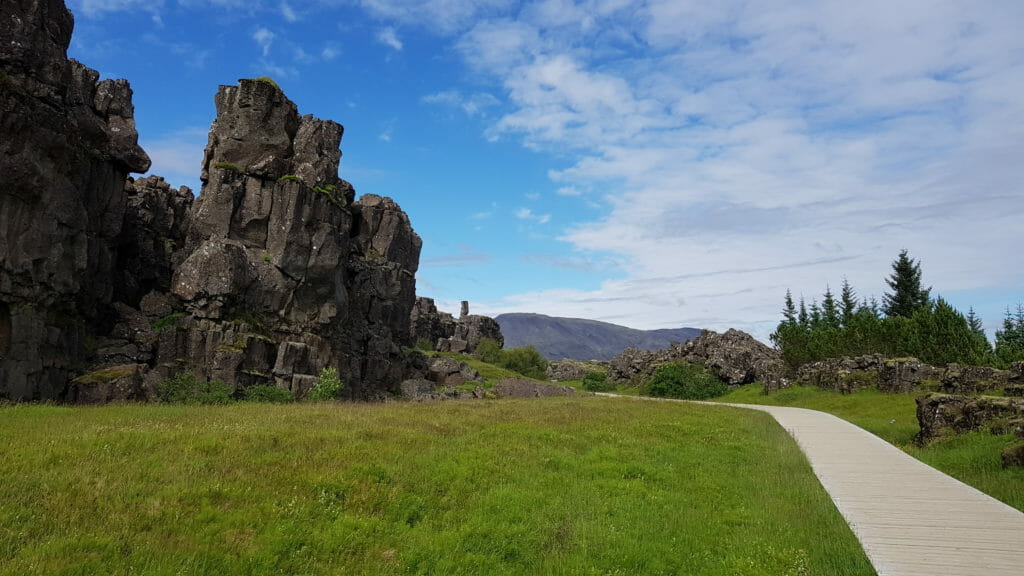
(473, 104)
(265, 38)
(330, 52)
(743, 149)
(389, 37)
(527, 214)
(442, 16)
(288, 13)
(178, 156)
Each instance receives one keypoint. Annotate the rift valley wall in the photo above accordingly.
(108, 285)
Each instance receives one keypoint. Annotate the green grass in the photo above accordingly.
(491, 373)
(550, 486)
(972, 458)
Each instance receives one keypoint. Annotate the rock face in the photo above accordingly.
(907, 374)
(568, 369)
(430, 325)
(462, 336)
(526, 388)
(734, 356)
(68, 142)
(939, 413)
(284, 272)
(108, 286)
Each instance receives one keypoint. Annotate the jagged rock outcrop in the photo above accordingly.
(941, 413)
(734, 356)
(284, 272)
(469, 331)
(430, 325)
(68, 143)
(907, 374)
(526, 388)
(569, 369)
(449, 335)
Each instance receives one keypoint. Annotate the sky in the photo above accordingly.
(655, 164)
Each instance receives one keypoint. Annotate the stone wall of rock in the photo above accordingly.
(67, 143)
(461, 336)
(734, 356)
(569, 369)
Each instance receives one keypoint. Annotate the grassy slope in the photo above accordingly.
(971, 458)
(548, 486)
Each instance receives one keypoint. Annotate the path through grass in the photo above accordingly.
(550, 486)
(971, 458)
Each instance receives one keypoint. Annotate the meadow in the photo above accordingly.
(581, 486)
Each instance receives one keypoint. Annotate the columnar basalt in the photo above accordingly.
(282, 261)
(68, 142)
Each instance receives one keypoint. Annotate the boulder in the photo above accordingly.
(941, 413)
(113, 384)
(428, 324)
(957, 379)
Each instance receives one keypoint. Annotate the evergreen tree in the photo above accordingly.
(829, 310)
(848, 302)
(802, 318)
(907, 295)
(975, 323)
(1010, 340)
(789, 311)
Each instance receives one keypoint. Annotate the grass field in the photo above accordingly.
(971, 458)
(581, 486)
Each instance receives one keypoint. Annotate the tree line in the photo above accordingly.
(908, 322)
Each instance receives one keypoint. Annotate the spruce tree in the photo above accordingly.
(907, 295)
(789, 312)
(829, 311)
(847, 302)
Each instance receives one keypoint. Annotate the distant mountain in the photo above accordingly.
(558, 338)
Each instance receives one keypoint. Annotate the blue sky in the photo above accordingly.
(657, 164)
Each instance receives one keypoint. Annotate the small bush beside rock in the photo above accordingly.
(685, 381)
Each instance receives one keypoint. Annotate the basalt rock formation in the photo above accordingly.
(108, 285)
(734, 356)
(68, 142)
(449, 335)
(285, 272)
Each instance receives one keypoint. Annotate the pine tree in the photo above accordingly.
(829, 311)
(803, 318)
(1010, 340)
(907, 295)
(848, 302)
(789, 312)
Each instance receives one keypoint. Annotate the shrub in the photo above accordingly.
(527, 361)
(424, 345)
(228, 166)
(267, 393)
(267, 80)
(489, 351)
(186, 388)
(327, 386)
(598, 382)
(684, 380)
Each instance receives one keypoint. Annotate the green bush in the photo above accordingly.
(684, 380)
(327, 386)
(186, 388)
(598, 382)
(527, 361)
(489, 351)
(424, 345)
(267, 393)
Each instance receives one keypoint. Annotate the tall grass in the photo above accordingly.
(972, 458)
(548, 486)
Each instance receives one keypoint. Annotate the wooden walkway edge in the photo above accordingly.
(911, 519)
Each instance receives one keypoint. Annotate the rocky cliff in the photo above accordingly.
(68, 142)
(275, 272)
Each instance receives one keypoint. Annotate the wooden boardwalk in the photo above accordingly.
(911, 519)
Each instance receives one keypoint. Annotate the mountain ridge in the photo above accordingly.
(582, 339)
